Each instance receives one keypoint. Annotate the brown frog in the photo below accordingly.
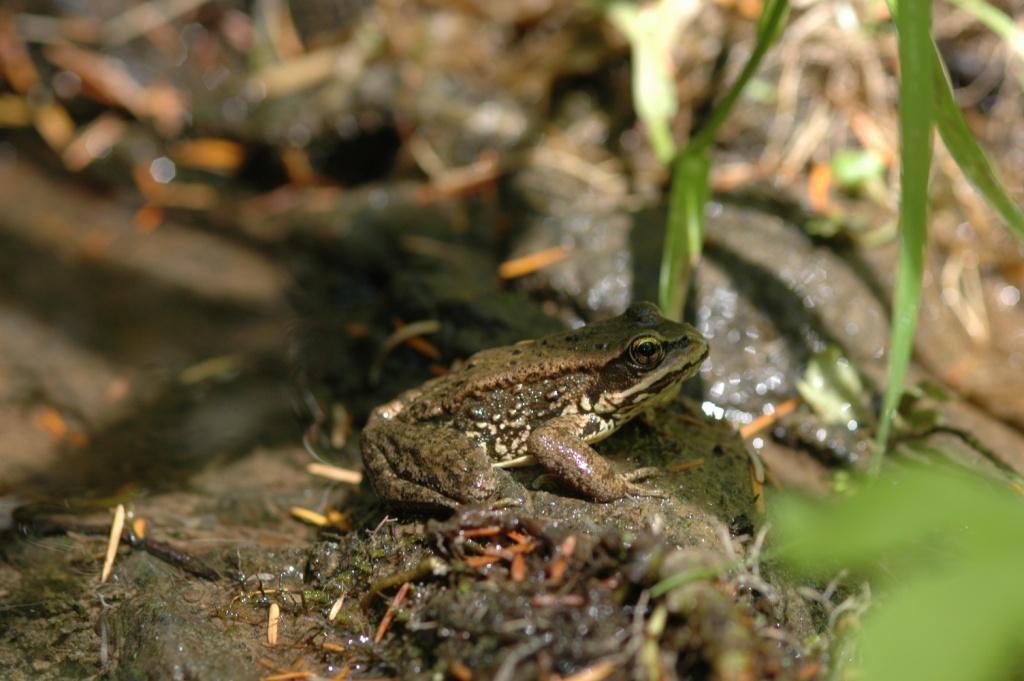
(541, 401)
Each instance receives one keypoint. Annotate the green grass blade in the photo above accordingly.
(773, 18)
(695, 575)
(963, 146)
(684, 232)
(684, 229)
(913, 20)
(966, 151)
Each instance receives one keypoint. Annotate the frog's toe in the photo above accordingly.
(641, 473)
(635, 490)
(506, 502)
(508, 492)
(495, 505)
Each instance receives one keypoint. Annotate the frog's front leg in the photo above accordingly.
(559, 447)
(424, 466)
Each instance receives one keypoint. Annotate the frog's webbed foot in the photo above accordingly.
(499, 505)
(509, 493)
(636, 490)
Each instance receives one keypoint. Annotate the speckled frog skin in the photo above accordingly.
(541, 401)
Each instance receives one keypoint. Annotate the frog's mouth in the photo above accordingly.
(671, 379)
(680, 363)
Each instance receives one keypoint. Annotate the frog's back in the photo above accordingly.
(499, 396)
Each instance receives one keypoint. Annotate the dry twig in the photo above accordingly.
(385, 622)
(113, 543)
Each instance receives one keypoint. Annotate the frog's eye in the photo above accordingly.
(646, 351)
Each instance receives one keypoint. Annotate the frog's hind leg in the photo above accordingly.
(394, 491)
(426, 467)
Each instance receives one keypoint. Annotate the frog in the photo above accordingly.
(545, 401)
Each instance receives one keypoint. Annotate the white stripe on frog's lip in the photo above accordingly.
(637, 394)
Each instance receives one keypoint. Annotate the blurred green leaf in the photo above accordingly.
(946, 507)
(842, 482)
(833, 389)
(851, 168)
(946, 549)
(952, 625)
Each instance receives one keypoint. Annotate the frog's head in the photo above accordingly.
(645, 359)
